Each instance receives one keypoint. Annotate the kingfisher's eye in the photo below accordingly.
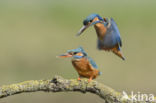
(75, 53)
(90, 20)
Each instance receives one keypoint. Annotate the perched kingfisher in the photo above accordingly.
(84, 65)
(107, 32)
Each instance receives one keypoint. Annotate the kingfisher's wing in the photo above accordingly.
(116, 31)
(112, 36)
(91, 61)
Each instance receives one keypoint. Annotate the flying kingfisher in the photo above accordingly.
(107, 32)
(84, 65)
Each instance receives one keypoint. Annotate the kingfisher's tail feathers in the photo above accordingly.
(118, 53)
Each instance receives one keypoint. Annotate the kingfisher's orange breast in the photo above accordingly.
(84, 69)
(100, 30)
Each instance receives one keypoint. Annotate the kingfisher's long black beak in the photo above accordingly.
(86, 25)
(66, 55)
(82, 30)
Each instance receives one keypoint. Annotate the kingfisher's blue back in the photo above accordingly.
(111, 37)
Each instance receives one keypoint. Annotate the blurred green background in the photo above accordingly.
(34, 32)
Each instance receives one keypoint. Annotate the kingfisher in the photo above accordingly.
(107, 32)
(84, 65)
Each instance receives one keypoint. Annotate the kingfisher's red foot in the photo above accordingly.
(78, 78)
(90, 79)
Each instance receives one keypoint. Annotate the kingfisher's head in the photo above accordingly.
(89, 21)
(77, 53)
